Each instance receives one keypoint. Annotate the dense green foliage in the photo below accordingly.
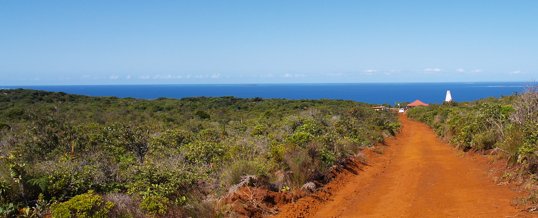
(96, 155)
(508, 124)
(83, 206)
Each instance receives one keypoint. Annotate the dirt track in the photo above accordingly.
(417, 176)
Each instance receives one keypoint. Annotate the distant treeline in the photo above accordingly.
(78, 156)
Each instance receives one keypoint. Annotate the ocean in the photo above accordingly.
(374, 93)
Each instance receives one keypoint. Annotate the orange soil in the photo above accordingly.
(417, 176)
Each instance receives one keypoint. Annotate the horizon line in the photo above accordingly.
(268, 83)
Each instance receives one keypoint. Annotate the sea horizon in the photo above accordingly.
(373, 93)
(265, 83)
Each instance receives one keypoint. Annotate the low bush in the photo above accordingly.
(85, 205)
(155, 204)
(124, 206)
(232, 174)
(207, 153)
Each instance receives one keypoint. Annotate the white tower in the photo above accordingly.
(448, 97)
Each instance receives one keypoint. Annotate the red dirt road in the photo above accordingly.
(417, 176)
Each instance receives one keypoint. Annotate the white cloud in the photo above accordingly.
(128, 77)
(215, 76)
(113, 77)
(170, 76)
(476, 70)
(515, 72)
(269, 75)
(460, 70)
(334, 74)
(164, 77)
(369, 72)
(290, 75)
(432, 70)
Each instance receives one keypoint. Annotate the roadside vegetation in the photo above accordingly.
(77, 156)
(507, 126)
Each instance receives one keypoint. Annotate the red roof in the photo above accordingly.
(417, 103)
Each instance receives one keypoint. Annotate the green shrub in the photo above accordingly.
(167, 143)
(511, 142)
(84, 205)
(8, 210)
(154, 204)
(172, 138)
(484, 140)
(203, 115)
(301, 165)
(125, 206)
(199, 152)
(233, 173)
(277, 152)
(311, 127)
(67, 178)
(169, 177)
(259, 129)
(327, 157)
(300, 138)
(5, 191)
(210, 135)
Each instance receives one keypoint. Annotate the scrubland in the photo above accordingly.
(77, 156)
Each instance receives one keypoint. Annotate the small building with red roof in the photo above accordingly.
(417, 103)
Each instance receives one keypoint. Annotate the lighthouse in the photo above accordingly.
(448, 97)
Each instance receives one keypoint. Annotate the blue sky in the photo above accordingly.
(178, 42)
